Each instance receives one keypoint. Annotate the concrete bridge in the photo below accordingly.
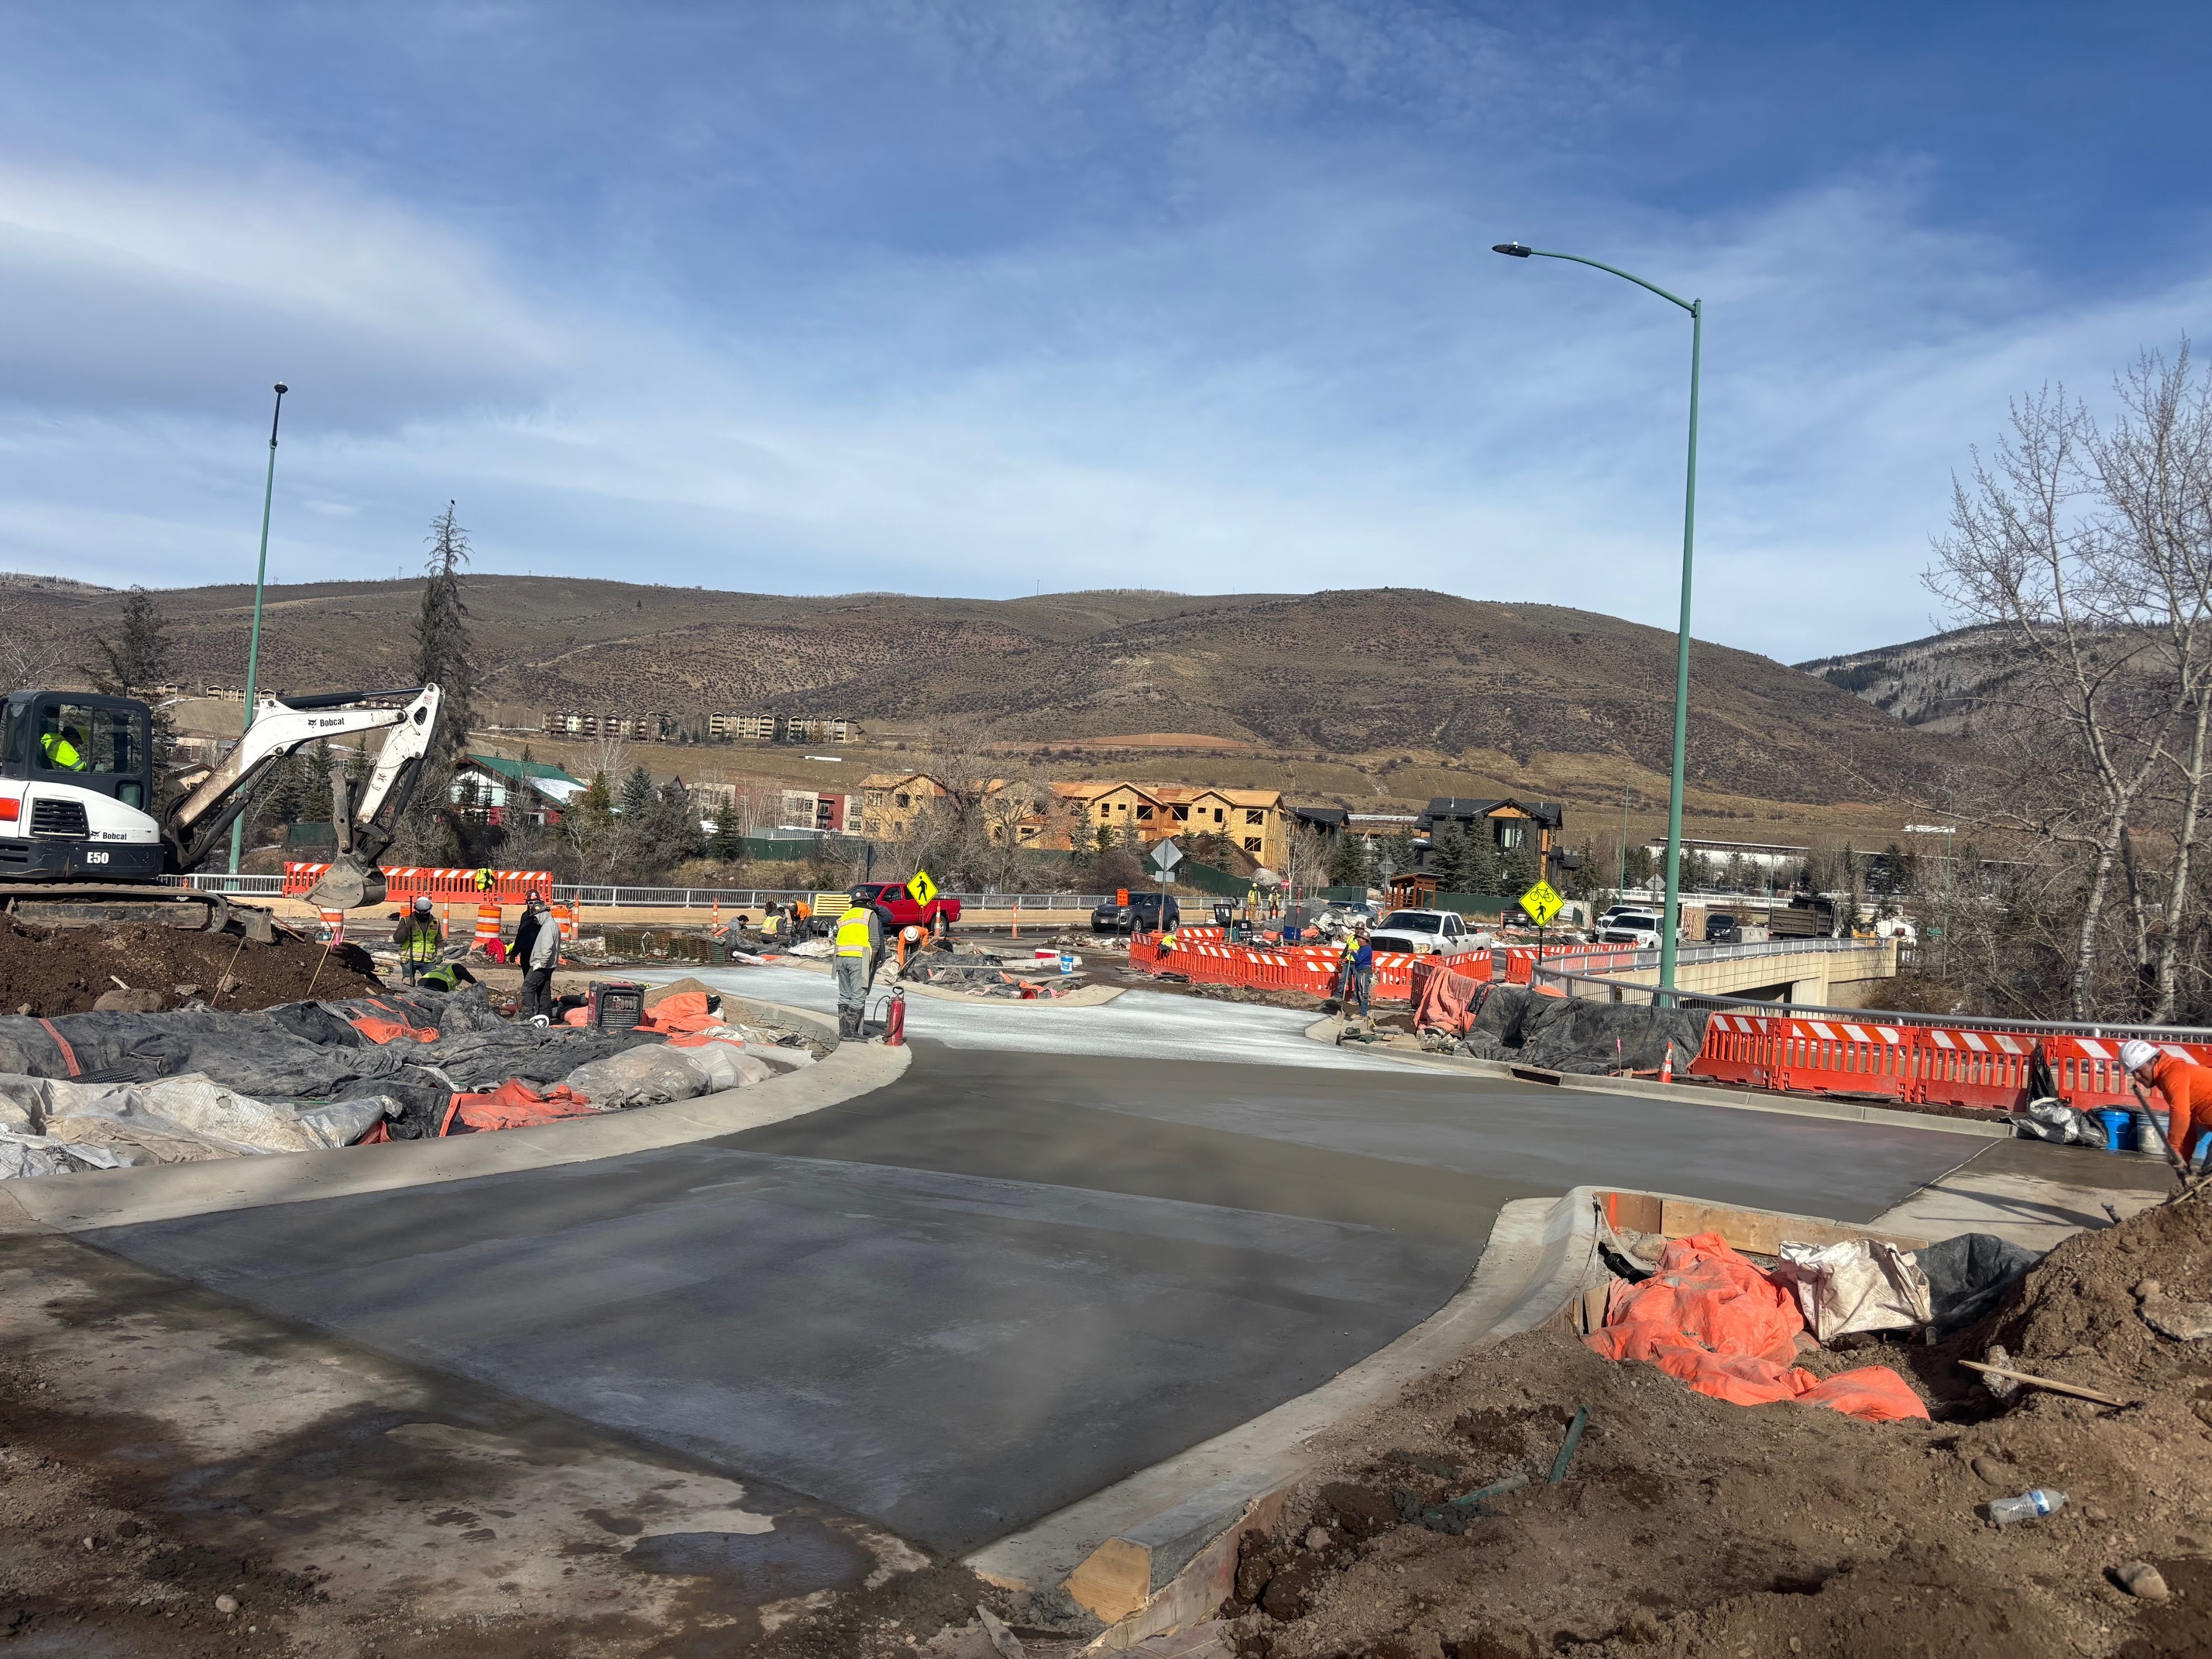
(1817, 973)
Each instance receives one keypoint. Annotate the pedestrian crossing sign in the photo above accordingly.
(922, 889)
(1542, 902)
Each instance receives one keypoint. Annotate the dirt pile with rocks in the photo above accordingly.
(1688, 1527)
(49, 970)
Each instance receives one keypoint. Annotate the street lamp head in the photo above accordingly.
(282, 388)
(1515, 250)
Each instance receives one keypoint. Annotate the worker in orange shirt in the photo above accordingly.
(2187, 1087)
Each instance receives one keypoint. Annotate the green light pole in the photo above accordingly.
(1696, 310)
(253, 643)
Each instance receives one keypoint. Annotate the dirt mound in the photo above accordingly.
(1687, 1527)
(65, 970)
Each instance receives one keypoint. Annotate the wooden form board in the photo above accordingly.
(1759, 1231)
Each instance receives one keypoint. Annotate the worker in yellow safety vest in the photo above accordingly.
(859, 947)
(418, 940)
(61, 749)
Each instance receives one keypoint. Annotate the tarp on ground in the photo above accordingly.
(1968, 1275)
(309, 1050)
(1715, 1321)
(181, 1120)
(1580, 1034)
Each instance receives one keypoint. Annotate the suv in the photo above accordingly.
(1722, 929)
(1425, 933)
(1147, 911)
(896, 907)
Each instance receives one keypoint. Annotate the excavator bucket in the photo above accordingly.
(348, 885)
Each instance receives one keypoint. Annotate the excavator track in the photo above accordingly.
(97, 904)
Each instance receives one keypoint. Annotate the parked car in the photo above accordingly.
(1427, 933)
(1721, 929)
(1638, 928)
(896, 907)
(1149, 911)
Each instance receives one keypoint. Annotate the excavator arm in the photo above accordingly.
(365, 823)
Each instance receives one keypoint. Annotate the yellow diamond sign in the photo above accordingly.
(1542, 902)
(923, 888)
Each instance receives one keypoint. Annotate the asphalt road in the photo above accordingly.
(1015, 1275)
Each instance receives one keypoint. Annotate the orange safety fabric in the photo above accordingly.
(684, 1012)
(380, 1032)
(515, 1105)
(1448, 1001)
(1716, 1321)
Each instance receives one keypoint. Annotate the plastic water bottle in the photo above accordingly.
(2035, 1502)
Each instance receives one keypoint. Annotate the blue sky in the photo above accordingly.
(975, 298)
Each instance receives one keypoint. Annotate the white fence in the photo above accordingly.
(680, 898)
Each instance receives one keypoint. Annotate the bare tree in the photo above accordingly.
(29, 655)
(2152, 465)
(2026, 554)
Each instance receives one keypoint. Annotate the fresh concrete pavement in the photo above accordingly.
(1065, 1244)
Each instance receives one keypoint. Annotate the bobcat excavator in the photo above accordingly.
(82, 833)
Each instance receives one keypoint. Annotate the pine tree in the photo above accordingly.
(637, 794)
(444, 655)
(136, 660)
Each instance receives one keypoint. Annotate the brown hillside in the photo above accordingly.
(1407, 679)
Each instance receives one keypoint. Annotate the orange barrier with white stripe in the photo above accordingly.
(414, 881)
(1921, 1065)
(488, 920)
(1308, 968)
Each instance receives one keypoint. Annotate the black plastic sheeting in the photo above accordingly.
(1570, 1034)
(1968, 1275)
(310, 1050)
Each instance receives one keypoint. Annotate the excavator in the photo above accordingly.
(83, 833)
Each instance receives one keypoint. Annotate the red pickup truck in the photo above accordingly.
(892, 902)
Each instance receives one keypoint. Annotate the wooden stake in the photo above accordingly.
(2049, 1384)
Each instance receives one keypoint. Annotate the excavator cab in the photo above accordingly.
(76, 787)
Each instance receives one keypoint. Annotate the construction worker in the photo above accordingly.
(417, 938)
(63, 749)
(1363, 972)
(2187, 1087)
(860, 948)
(537, 951)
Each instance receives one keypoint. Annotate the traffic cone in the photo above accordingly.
(1667, 1068)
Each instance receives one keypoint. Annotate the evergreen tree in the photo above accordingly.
(135, 660)
(637, 794)
(1452, 859)
(728, 845)
(444, 655)
(1347, 861)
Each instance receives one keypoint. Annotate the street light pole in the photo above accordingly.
(253, 642)
(1696, 310)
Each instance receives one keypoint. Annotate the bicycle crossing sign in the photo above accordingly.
(1542, 904)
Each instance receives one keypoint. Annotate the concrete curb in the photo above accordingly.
(1736, 1100)
(1115, 1559)
(90, 1199)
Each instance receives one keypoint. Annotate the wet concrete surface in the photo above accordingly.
(1004, 1281)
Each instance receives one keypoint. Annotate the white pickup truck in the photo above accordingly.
(1427, 933)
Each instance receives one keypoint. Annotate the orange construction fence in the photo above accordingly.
(1924, 1064)
(1309, 967)
(506, 886)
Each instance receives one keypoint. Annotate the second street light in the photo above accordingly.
(260, 579)
(1669, 922)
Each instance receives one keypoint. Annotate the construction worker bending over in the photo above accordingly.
(859, 947)
(418, 940)
(2187, 1087)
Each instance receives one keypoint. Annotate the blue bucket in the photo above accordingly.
(2119, 1129)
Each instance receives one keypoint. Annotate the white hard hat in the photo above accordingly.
(2136, 1055)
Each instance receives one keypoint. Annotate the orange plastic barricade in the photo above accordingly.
(1713, 1320)
(333, 925)
(412, 881)
(1922, 1064)
(487, 919)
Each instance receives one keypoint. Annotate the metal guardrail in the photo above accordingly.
(1608, 986)
(667, 898)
